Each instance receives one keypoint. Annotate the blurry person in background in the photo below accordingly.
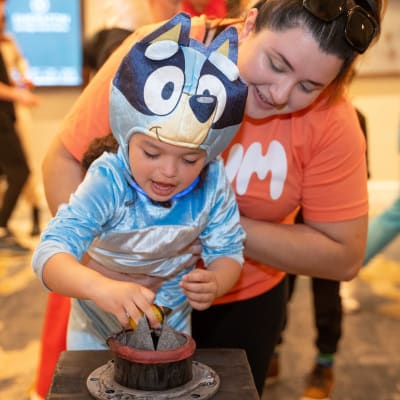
(330, 302)
(122, 17)
(163, 9)
(211, 8)
(13, 163)
(17, 68)
(383, 230)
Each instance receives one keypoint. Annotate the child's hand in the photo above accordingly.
(126, 300)
(200, 287)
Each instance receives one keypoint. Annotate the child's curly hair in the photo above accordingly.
(97, 147)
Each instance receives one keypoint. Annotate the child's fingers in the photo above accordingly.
(200, 302)
(139, 302)
(196, 287)
(155, 316)
(153, 313)
(197, 275)
(131, 317)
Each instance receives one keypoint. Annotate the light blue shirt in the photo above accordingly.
(126, 231)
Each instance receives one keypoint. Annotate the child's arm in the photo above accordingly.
(65, 275)
(202, 286)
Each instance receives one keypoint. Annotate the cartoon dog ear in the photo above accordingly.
(177, 29)
(223, 52)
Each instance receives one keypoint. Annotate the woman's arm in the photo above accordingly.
(329, 250)
(62, 174)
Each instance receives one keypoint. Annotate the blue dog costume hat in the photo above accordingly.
(179, 91)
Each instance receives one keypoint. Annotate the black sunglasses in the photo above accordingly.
(361, 27)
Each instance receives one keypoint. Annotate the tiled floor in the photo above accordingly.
(22, 302)
(368, 363)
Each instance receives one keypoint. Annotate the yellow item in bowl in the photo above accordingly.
(159, 311)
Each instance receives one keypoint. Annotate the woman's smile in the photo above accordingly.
(265, 103)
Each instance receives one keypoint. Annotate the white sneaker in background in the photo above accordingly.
(350, 304)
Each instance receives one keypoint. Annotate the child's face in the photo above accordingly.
(162, 169)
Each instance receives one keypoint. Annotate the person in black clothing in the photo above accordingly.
(13, 163)
(328, 317)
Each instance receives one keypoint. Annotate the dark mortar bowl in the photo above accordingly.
(151, 369)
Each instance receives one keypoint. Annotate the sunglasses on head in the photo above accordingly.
(361, 27)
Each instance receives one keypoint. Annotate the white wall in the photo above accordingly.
(379, 99)
(126, 14)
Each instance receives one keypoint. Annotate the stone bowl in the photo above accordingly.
(151, 369)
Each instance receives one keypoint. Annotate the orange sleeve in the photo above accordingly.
(335, 181)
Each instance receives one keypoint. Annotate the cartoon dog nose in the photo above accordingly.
(203, 106)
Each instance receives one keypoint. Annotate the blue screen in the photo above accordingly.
(48, 33)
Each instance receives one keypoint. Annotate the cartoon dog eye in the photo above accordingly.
(163, 89)
(211, 85)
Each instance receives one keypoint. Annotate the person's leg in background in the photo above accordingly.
(327, 309)
(328, 322)
(328, 316)
(290, 282)
(31, 191)
(274, 366)
(15, 168)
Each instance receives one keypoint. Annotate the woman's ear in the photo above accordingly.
(249, 23)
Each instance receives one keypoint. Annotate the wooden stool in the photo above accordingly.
(231, 365)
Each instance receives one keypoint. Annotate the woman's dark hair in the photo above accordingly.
(279, 15)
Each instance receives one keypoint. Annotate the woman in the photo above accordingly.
(299, 145)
